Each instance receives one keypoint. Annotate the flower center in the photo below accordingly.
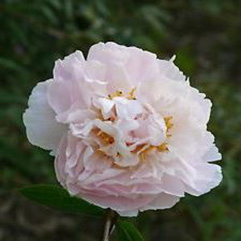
(129, 129)
(119, 93)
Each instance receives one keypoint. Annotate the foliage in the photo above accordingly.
(58, 198)
(203, 35)
(128, 232)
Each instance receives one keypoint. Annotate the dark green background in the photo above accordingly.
(205, 36)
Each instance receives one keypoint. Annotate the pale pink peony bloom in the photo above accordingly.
(128, 131)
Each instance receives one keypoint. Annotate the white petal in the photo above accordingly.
(42, 128)
(162, 201)
(95, 71)
(64, 69)
(170, 70)
(105, 105)
(213, 154)
(208, 177)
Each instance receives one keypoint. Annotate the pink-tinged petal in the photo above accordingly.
(60, 161)
(212, 154)
(42, 128)
(170, 70)
(63, 95)
(107, 53)
(120, 203)
(172, 185)
(118, 78)
(208, 177)
(105, 105)
(162, 201)
(142, 66)
(127, 65)
(76, 115)
(95, 71)
(127, 161)
(57, 89)
(65, 69)
(74, 82)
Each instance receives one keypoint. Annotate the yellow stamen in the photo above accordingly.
(168, 121)
(131, 95)
(118, 93)
(146, 151)
(169, 125)
(105, 137)
(162, 147)
(100, 151)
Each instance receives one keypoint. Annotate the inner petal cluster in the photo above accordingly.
(126, 130)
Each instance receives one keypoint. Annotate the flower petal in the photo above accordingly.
(42, 128)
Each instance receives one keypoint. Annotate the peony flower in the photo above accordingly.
(127, 130)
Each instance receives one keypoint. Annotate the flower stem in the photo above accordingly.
(111, 218)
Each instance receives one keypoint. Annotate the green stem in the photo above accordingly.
(111, 218)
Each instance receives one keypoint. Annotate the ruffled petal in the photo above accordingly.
(170, 70)
(208, 176)
(42, 128)
(162, 201)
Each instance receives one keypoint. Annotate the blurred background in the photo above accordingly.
(205, 36)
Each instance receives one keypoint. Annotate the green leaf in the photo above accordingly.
(128, 232)
(58, 198)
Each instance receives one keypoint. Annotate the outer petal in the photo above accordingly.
(126, 206)
(75, 83)
(42, 128)
(212, 154)
(65, 69)
(170, 70)
(131, 64)
(162, 201)
(208, 177)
